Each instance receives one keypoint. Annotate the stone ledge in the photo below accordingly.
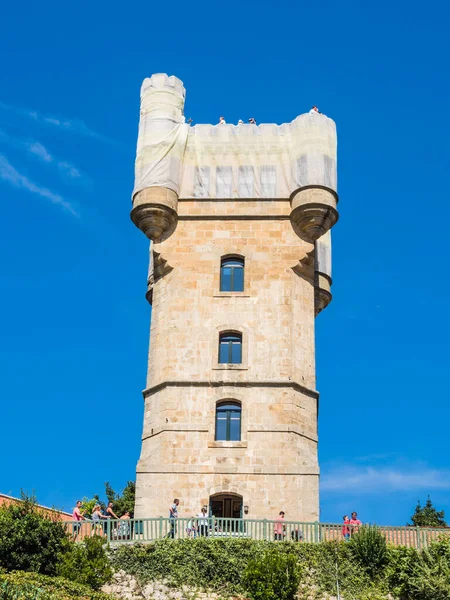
(222, 470)
(240, 444)
(229, 367)
(186, 428)
(231, 295)
(271, 384)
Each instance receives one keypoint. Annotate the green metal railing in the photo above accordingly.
(148, 530)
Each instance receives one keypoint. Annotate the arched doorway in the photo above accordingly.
(225, 506)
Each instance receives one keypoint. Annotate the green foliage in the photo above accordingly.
(428, 516)
(368, 547)
(30, 540)
(272, 576)
(87, 505)
(124, 502)
(31, 586)
(334, 569)
(219, 565)
(86, 563)
(202, 562)
(421, 575)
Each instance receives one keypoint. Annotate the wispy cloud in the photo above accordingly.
(369, 479)
(75, 126)
(10, 175)
(69, 170)
(38, 150)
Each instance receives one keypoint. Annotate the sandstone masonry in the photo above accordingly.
(239, 436)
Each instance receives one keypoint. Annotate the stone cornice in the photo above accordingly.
(231, 470)
(271, 384)
(233, 217)
(186, 427)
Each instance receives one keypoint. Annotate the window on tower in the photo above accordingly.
(232, 274)
(228, 421)
(230, 348)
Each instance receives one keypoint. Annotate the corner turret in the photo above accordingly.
(161, 143)
(322, 273)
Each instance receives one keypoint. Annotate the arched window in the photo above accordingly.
(232, 274)
(230, 348)
(228, 421)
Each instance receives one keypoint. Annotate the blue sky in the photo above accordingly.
(73, 270)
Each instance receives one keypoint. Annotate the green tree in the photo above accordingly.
(30, 540)
(122, 502)
(86, 563)
(368, 547)
(428, 516)
(87, 506)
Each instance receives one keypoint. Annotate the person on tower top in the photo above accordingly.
(314, 111)
(252, 121)
(222, 121)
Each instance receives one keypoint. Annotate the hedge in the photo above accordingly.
(219, 565)
(361, 573)
(18, 585)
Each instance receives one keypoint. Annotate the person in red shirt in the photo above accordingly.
(346, 530)
(355, 522)
(279, 527)
(77, 516)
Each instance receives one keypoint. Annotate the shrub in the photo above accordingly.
(421, 575)
(29, 539)
(201, 563)
(86, 563)
(272, 576)
(369, 549)
(32, 586)
(219, 565)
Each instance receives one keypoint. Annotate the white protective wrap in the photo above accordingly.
(162, 134)
(323, 254)
(264, 161)
(228, 161)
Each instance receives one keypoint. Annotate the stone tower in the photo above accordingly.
(239, 219)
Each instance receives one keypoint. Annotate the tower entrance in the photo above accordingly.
(226, 506)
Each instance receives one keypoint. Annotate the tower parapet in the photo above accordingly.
(295, 161)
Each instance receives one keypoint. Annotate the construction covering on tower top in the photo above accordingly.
(228, 161)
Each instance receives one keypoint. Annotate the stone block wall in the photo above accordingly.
(274, 466)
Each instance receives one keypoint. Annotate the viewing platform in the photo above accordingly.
(149, 530)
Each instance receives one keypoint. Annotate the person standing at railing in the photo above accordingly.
(191, 528)
(354, 522)
(97, 527)
(173, 516)
(279, 527)
(110, 514)
(202, 521)
(109, 511)
(123, 528)
(77, 516)
(345, 528)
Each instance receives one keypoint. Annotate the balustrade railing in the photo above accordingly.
(148, 530)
